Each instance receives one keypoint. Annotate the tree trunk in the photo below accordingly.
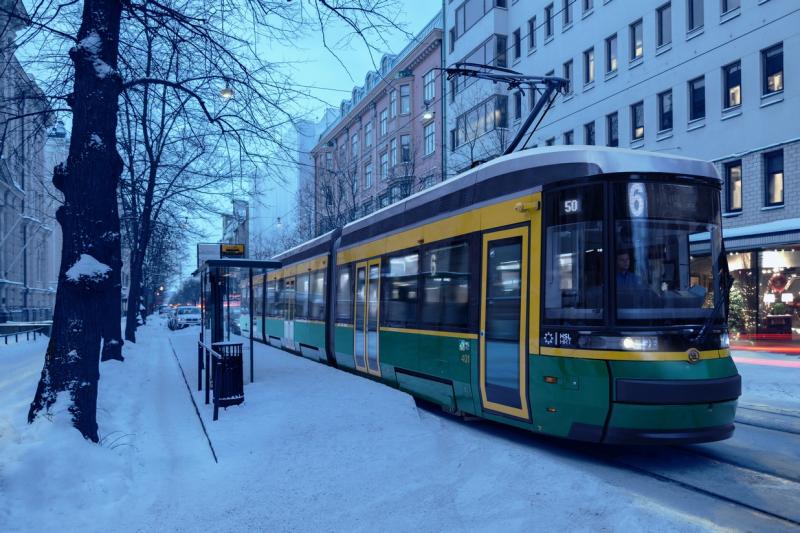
(112, 323)
(134, 297)
(89, 222)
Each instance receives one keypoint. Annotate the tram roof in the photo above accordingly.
(516, 174)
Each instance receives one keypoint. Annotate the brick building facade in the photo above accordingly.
(387, 142)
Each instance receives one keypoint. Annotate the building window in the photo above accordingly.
(567, 12)
(664, 24)
(732, 79)
(517, 43)
(611, 53)
(588, 133)
(550, 142)
(665, 111)
(612, 129)
(637, 40)
(588, 66)
(354, 145)
(430, 138)
(637, 121)
(368, 175)
(500, 55)
(733, 186)
(405, 148)
(368, 134)
(548, 21)
(452, 35)
(773, 177)
(569, 137)
(772, 67)
(393, 152)
(532, 34)
(517, 105)
(405, 99)
(393, 103)
(730, 5)
(694, 13)
(588, 5)
(697, 98)
(487, 116)
(531, 99)
(384, 165)
(568, 75)
(429, 86)
(384, 123)
(328, 161)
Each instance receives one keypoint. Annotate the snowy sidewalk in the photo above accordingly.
(311, 449)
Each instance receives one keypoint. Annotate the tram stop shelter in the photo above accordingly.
(231, 297)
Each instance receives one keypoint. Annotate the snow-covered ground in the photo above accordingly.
(312, 449)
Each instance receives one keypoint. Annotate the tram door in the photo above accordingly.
(289, 312)
(366, 324)
(503, 335)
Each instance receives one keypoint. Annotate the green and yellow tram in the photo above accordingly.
(572, 291)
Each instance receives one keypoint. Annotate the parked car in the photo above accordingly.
(184, 316)
(164, 310)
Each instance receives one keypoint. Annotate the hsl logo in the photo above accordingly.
(693, 355)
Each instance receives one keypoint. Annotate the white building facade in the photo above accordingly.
(713, 79)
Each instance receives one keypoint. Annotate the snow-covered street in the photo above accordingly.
(317, 449)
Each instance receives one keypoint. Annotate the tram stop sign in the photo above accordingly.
(231, 250)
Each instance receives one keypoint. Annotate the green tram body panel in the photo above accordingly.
(310, 334)
(343, 340)
(274, 327)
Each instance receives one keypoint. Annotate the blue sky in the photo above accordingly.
(316, 67)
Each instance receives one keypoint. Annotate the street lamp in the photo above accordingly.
(427, 114)
(226, 92)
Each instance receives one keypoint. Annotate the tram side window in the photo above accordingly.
(301, 296)
(317, 296)
(272, 294)
(574, 271)
(401, 289)
(344, 294)
(280, 295)
(445, 294)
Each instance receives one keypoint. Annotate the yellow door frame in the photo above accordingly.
(522, 412)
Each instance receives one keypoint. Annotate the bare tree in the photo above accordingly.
(91, 256)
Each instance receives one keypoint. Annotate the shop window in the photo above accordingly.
(779, 289)
(401, 290)
(743, 295)
(445, 297)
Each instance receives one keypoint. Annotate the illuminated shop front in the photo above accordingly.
(765, 296)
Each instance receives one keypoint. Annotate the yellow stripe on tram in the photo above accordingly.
(631, 356)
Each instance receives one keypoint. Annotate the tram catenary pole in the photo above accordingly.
(550, 85)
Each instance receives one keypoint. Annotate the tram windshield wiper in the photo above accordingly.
(547, 86)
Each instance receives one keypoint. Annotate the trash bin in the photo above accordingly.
(228, 374)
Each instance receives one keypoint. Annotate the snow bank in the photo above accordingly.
(87, 267)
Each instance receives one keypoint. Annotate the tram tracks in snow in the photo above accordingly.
(744, 476)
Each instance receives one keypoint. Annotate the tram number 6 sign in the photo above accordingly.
(637, 200)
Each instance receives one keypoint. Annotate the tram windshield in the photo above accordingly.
(656, 259)
(661, 276)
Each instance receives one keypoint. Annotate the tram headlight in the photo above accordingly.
(640, 343)
(724, 340)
